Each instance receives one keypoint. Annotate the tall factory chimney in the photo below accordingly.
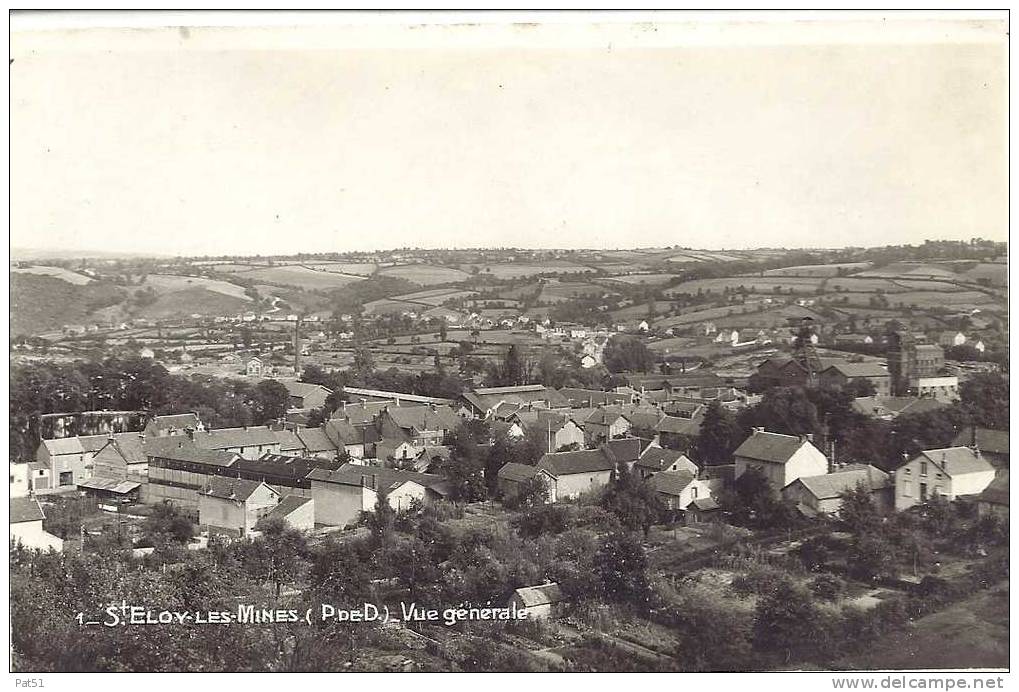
(297, 345)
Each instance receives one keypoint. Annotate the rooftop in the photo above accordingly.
(583, 461)
(769, 446)
(25, 509)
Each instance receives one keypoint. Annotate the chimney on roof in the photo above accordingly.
(973, 436)
(758, 430)
(944, 461)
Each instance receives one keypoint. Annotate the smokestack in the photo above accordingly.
(297, 346)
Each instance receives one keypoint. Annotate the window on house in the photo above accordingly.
(907, 489)
(67, 478)
(693, 492)
(923, 468)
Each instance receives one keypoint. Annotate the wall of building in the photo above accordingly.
(31, 535)
(303, 518)
(336, 504)
(572, 485)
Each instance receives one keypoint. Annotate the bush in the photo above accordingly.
(827, 587)
(759, 580)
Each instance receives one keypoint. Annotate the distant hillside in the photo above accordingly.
(42, 303)
(194, 301)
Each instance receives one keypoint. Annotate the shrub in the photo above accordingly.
(827, 587)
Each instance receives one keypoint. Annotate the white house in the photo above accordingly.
(677, 489)
(20, 479)
(342, 495)
(950, 472)
(574, 473)
(781, 458)
(537, 601)
(26, 525)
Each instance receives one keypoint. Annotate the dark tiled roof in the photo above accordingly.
(178, 421)
(25, 509)
(658, 459)
(592, 397)
(584, 461)
(183, 450)
(769, 446)
(288, 505)
(235, 437)
(315, 440)
(851, 370)
(539, 595)
(424, 418)
(224, 488)
(671, 482)
(831, 485)
(678, 426)
(957, 461)
(626, 448)
(385, 479)
(130, 448)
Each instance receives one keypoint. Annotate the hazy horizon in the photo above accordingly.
(733, 135)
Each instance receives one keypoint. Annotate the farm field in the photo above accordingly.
(355, 268)
(563, 292)
(751, 283)
(302, 277)
(56, 272)
(171, 283)
(435, 297)
(637, 279)
(516, 271)
(821, 270)
(933, 299)
(426, 274)
(235, 268)
(197, 300)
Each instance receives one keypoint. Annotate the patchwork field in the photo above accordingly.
(750, 283)
(56, 272)
(516, 271)
(426, 274)
(563, 292)
(302, 277)
(170, 283)
(818, 269)
(194, 301)
(637, 279)
(355, 268)
(435, 297)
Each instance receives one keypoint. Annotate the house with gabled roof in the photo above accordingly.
(950, 472)
(574, 473)
(891, 407)
(306, 395)
(419, 426)
(602, 423)
(234, 505)
(539, 602)
(512, 475)
(249, 442)
(178, 470)
(173, 424)
(822, 494)
(677, 489)
(481, 402)
(343, 494)
(26, 525)
(658, 460)
(122, 458)
(844, 374)
(560, 429)
(316, 442)
(627, 450)
(781, 458)
(298, 512)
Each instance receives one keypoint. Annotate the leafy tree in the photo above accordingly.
(166, 523)
(627, 353)
(786, 410)
(827, 587)
(870, 557)
(634, 502)
(786, 622)
(622, 568)
(381, 520)
(858, 513)
(755, 503)
(270, 401)
(277, 556)
(985, 397)
(364, 364)
(718, 436)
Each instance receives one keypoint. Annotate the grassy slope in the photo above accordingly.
(42, 303)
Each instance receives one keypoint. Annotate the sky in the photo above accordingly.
(700, 131)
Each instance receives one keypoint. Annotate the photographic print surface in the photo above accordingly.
(532, 342)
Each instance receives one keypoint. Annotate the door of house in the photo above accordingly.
(923, 492)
